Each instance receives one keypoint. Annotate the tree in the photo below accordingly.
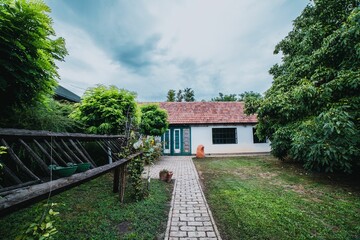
(224, 98)
(188, 95)
(179, 96)
(311, 112)
(28, 51)
(247, 95)
(252, 101)
(170, 96)
(106, 110)
(153, 120)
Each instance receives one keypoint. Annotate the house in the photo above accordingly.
(221, 127)
(62, 93)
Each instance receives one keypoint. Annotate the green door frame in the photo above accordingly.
(181, 143)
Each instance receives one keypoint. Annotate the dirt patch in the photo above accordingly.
(268, 175)
(241, 174)
(124, 227)
(310, 194)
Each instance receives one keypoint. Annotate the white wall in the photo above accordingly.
(203, 135)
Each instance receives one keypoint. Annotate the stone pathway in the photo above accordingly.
(189, 217)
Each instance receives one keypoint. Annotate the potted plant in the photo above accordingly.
(163, 174)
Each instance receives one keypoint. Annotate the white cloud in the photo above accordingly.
(209, 45)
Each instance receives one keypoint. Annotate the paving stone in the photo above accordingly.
(207, 228)
(195, 223)
(178, 234)
(197, 234)
(188, 228)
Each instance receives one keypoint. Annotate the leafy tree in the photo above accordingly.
(311, 112)
(106, 110)
(224, 98)
(247, 95)
(179, 96)
(189, 95)
(28, 51)
(153, 120)
(170, 96)
(252, 101)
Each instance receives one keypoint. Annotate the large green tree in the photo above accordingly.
(311, 112)
(107, 110)
(28, 50)
(154, 120)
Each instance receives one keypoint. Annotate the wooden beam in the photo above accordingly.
(7, 190)
(16, 133)
(86, 153)
(24, 196)
(7, 171)
(63, 152)
(37, 159)
(42, 149)
(18, 161)
(55, 152)
(80, 152)
(71, 151)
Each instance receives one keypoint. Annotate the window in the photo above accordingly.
(256, 139)
(224, 135)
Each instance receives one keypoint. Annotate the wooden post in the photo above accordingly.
(116, 180)
(122, 182)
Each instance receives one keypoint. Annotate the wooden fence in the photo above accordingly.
(26, 175)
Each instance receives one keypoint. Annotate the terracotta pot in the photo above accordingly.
(169, 176)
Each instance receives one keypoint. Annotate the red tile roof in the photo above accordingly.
(207, 113)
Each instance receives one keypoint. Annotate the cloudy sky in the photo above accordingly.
(151, 46)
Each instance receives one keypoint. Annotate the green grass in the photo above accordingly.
(92, 211)
(263, 198)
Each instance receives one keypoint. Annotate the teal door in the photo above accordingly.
(177, 141)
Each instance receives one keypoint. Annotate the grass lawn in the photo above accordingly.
(264, 198)
(92, 211)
